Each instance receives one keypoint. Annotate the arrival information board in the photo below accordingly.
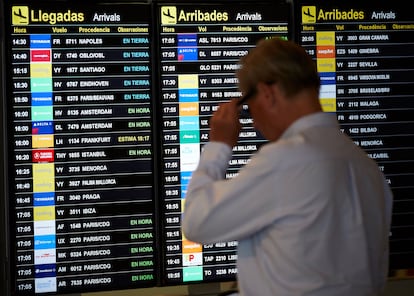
(81, 166)
(200, 46)
(365, 56)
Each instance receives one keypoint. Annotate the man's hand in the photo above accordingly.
(225, 125)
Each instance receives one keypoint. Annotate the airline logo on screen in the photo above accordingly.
(22, 15)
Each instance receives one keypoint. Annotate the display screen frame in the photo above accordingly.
(389, 60)
(145, 11)
(159, 210)
(192, 6)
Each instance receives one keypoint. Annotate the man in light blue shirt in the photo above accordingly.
(310, 211)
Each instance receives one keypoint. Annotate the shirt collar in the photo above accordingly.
(310, 121)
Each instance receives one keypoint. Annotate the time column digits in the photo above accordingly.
(83, 154)
(199, 55)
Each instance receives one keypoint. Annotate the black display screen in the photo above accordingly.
(365, 55)
(106, 108)
(200, 46)
(81, 155)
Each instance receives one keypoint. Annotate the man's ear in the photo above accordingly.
(270, 94)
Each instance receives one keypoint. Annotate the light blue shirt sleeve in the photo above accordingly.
(311, 213)
(218, 209)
